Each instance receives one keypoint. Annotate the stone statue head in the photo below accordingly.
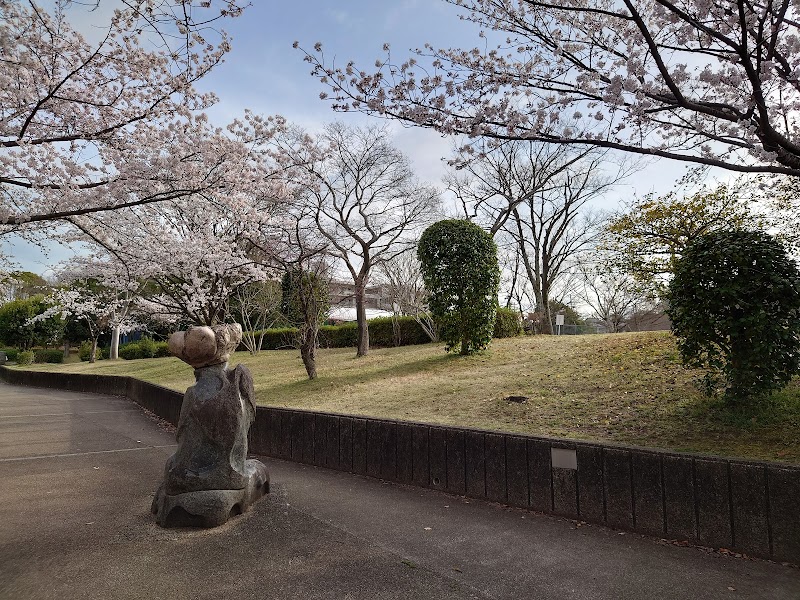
(204, 346)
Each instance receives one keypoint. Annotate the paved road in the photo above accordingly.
(77, 472)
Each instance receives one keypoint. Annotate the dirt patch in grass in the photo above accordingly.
(626, 388)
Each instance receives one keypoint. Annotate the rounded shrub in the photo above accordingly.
(131, 351)
(734, 303)
(459, 266)
(507, 323)
(147, 347)
(25, 358)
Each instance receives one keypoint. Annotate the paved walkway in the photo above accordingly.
(76, 476)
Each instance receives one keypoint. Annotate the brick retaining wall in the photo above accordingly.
(746, 506)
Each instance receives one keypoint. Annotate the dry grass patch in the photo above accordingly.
(627, 388)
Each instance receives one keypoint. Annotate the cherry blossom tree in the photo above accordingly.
(101, 279)
(101, 125)
(715, 82)
(100, 308)
(191, 253)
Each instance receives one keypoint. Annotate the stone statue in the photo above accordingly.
(209, 479)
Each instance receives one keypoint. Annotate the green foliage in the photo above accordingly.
(147, 346)
(459, 266)
(144, 348)
(507, 323)
(382, 334)
(735, 307)
(16, 329)
(11, 353)
(304, 297)
(85, 351)
(131, 351)
(25, 358)
(654, 232)
(49, 356)
(19, 285)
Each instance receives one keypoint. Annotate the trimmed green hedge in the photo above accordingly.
(25, 358)
(11, 353)
(381, 335)
(144, 348)
(48, 356)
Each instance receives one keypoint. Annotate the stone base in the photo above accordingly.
(210, 508)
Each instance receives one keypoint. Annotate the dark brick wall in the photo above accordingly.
(746, 506)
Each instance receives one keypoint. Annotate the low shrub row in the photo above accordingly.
(48, 356)
(144, 348)
(507, 323)
(11, 353)
(384, 332)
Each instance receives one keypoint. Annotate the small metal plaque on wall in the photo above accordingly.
(562, 458)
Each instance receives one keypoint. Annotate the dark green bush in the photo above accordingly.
(49, 356)
(382, 332)
(105, 352)
(734, 302)
(507, 323)
(11, 353)
(458, 261)
(147, 347)
(131, 351)
(162, 350)
(25, 358)
(85, 351)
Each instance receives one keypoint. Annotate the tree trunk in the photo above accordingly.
(66, 349)
(361, 317)
(547, 324)
(308, 354)
(93, 355)
(114, 353)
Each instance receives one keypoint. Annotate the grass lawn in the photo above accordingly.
(626, 388)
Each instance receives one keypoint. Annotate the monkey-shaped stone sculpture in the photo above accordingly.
(209, 478)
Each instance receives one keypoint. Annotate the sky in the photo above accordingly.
(264, 73)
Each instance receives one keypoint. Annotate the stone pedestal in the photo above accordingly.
(209, 478)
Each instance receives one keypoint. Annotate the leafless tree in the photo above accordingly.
(367, 203)
(407, 292)
(612, 295)
(538, 194)
(258, 307)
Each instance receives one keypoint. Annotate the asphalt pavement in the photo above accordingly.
(77, 475)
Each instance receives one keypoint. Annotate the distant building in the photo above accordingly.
(342, 296)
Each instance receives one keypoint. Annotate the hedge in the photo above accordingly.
(11, 353)
(381, 335)
(48, 356)
(144, 348)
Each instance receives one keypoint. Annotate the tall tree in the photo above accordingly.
(707, 81)
(367, 203)
(538, 195)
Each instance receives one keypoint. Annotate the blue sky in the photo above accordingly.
(265, 74)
